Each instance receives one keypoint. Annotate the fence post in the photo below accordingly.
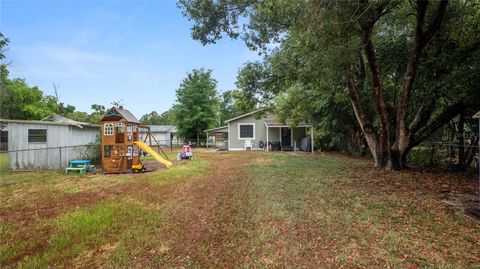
(60, 155)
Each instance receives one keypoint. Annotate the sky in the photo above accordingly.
(98, 52)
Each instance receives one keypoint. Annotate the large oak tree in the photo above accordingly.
(407, 66)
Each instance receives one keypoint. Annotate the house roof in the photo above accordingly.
(244, 115)
(47, 122)
(477, 116)
(223, 129)
(161, 128)
(67, 121)
(277, 123)
(120, 112)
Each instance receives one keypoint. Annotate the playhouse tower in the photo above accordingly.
(119, 131)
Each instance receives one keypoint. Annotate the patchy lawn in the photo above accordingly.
(237, 210)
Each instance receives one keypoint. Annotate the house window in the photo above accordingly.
(119, 133)
(246, 131)
(37, 135)
(120, 128)
(3, 136)
(129, 132)
(129, 152)
(108, 129)
(107, 151)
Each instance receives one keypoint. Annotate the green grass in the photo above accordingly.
(233, 210)
(97, 228)
(4, 163)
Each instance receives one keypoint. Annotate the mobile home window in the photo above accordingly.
(37, 135)
(246, 131)
(3, 136)
(108, 129)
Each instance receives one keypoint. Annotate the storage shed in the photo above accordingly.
(47, 144)
(164, 134)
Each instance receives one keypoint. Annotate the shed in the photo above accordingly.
(164, 134)
(47, 144)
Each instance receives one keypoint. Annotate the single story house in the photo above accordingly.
(49, 143)
(253, 130)
(164, 134)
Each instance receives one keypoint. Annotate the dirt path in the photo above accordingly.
(199, 209)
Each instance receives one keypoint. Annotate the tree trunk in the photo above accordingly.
(379, 101)
(461, 141)
(403, 135)
(365, 124)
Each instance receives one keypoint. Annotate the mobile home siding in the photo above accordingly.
(24, 155)
(260, 131)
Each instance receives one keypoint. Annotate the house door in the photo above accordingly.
(286, 137)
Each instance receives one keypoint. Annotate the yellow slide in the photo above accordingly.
(153, 153)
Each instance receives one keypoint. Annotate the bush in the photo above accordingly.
(422, 155)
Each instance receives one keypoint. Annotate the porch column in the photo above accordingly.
(267, 138)
(291, 138)
(207, 140)
(311, 137)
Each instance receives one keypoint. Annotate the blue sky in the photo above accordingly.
(104, 51)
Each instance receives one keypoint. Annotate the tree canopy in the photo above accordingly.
(197, 104)
(153, 118)
(405, 67)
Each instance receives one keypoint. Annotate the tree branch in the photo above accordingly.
(421, 39)
(434, 124)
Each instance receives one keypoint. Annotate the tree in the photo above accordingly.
(196, 107)
(227, 106)
(3, 45)
(98, 112)
(153, 118)
(20, 101)
(406, 65)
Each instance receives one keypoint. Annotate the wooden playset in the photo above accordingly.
(120, 145)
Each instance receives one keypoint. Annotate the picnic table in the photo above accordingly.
(81, 166)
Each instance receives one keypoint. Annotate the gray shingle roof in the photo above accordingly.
(66, 121)
(127, 115)
(122, 112)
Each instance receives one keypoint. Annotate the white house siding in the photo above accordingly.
(23, 156)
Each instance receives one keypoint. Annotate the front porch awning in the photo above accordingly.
(223, 129)
(287, 123)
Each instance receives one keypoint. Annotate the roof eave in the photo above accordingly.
(245, 115)
(214, 129)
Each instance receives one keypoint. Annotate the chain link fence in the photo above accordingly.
(58, 158)
(49, 158)
(445, 154)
